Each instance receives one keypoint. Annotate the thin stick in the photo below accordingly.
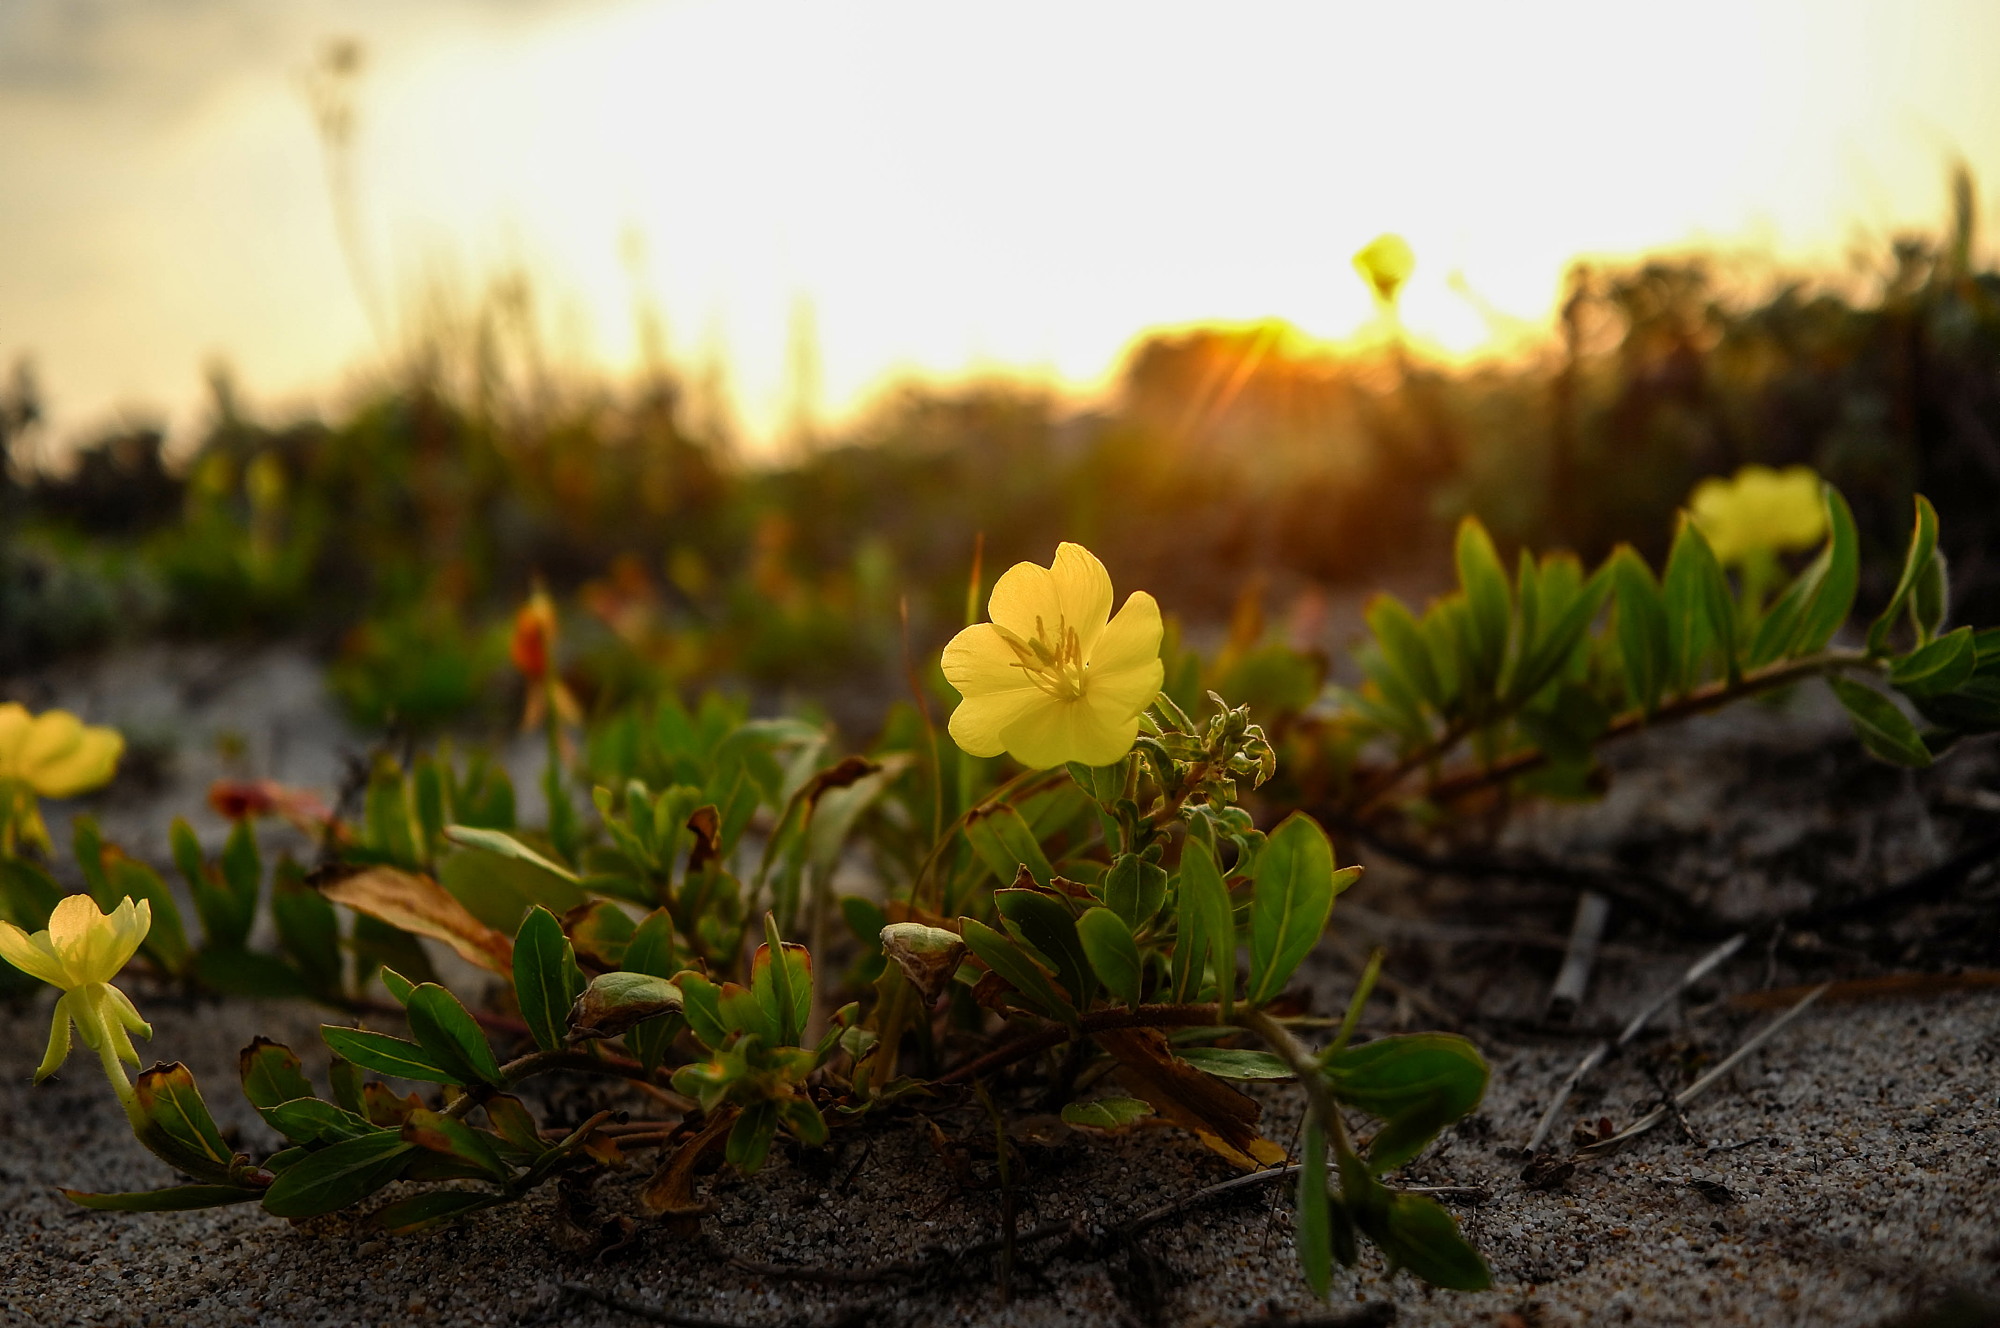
(1586, 932)
(1699, 1086)
(1700, 969)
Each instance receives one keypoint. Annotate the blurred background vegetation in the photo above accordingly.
(1236, 471)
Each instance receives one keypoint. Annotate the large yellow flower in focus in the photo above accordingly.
(1760, 509)
(1054, 677)
(81, 952)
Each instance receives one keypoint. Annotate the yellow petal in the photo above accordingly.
(988, 675)
(1083, 588)
(14, 724)
(1062, 731)
(129, 922)
(33, 955)
(1129, 640)
(88, 764)
(1024, 594)
(84, 938)
(51, 737)
(58, 1050)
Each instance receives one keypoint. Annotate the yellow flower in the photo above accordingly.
(1760, 509)
(54, 754)
(81, 952)
(1049, 680)
(1385, 263)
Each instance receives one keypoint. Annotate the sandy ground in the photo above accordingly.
(1847, 1174)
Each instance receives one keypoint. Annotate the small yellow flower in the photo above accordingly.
(81, 952)
(54, 754)
(1054, 677)
(1760, 509)
(1385, 263)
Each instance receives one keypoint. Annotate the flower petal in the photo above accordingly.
(58, 1051)
(988, 675)
(86, 765)
(84, 938)
(127, 1013)
(1083, 588)
(52, 736)
(1062, 731)
(1131, 639)
(33, 955)
(130, 923)
(1024, 595)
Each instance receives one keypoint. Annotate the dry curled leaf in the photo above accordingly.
(927, 955)
(1222, 1118)
(419, 905)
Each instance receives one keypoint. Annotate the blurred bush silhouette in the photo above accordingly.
(1227, 457)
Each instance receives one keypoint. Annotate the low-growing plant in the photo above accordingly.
(1113, 901)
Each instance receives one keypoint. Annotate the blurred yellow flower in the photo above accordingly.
(1054, 677)
(1760, 509)
(81, 952)
(1385, 263)
(51, 755)
(54, 754)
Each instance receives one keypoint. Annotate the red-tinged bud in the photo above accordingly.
(534, 641)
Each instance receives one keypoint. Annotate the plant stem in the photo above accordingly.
(1306, 1066)
(1146, 1016)
(1699, 701)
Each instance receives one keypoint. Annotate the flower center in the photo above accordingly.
(1053, 663)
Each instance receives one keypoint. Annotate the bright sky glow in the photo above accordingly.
(951, 188)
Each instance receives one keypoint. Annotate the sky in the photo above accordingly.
(917, 189)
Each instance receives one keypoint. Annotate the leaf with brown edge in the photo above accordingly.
(851, 770)
(670, 1193)
(927, 955)
(706, 823)
(419, 905)
(1223, 1119)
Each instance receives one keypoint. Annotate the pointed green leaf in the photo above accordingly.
(454, 1139)
(1883, 728)
(386, 1055)
(434, 1208)
(1701, 614)
(1134, 889)
(547, 980)
(783, 989)
(1005, 844)
(339, 1175)
(1942, 666)
(177, 1199)
(1208, 931)
(496, 841)
(1923, 542)
(271, 1073)
(1240, 1063)
(1314, 1232)
(172, 1120)
(450, 1035)
(1489, 606)
(999, 952)
(307, 1120)
(1832, 600)
(1290, 902)
(1417, 1234)
(1642, 629)
(1404, 647)
(1048, 928)
(1107, 942)
(1107, 1113)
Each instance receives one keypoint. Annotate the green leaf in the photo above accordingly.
(614, 1003)
(386, 1055)
(1931, 599)
(651, 949)
(1923, 542)
(441, 1134)
(338, 1176)
(173, 1121)
(999, 953)
(1314, 1229)
(347, 1082)
(1417, 1234)
(307, 1120)
(1883, 728)
(450, 1035)
(701, 1003)
(242, 878)
(1832, 599)
(1107, 1113)
(1489, 606)
(1235, 1063)
(1290, 902)
(1107, 943)
(271, 1073)
(1403, 646)
(1417, 1083)
(506, 846)
(399, 986)
(177, 1199)
(1642, 629)
(1046, 925)
(547, 980)
(750, 1138)
(1942, 666)
(308, 929)
(783, 990)
(432, 1209)
(1208, 931)
(1701, 614)
(1134, 889)
(1005, 844)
